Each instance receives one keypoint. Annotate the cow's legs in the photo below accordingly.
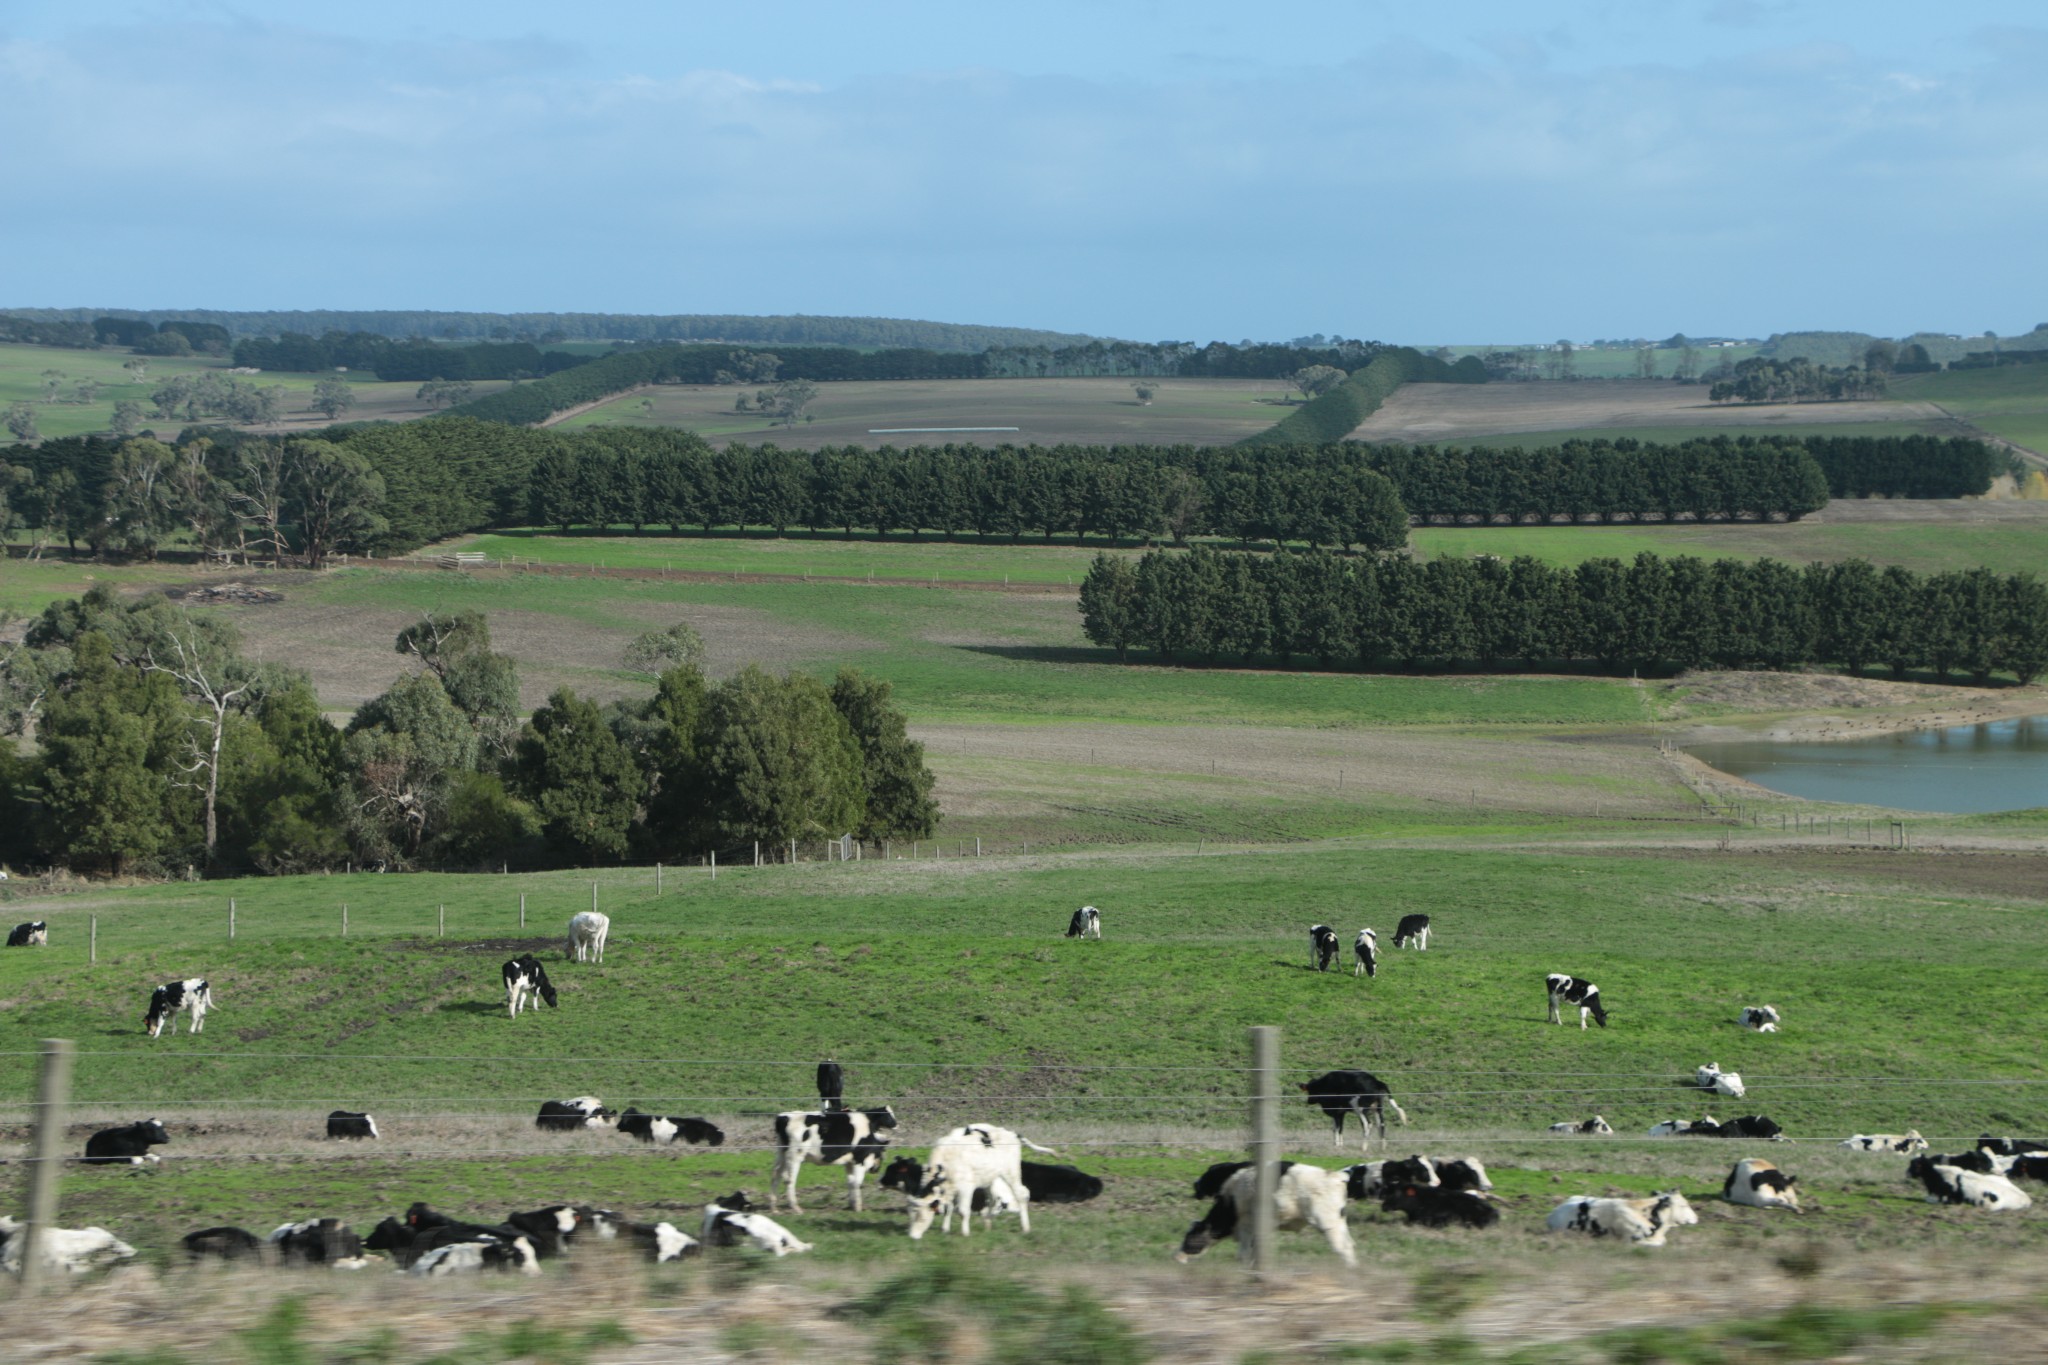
(787, 1163)
(856, 1172)
(1555, 1016)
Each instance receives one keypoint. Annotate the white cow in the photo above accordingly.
(1712, 1077)
(1303, 1196)
(75, 1250)
(1761, 1185)
(1908, 1141)
(587, 932)
(724, 1227)
(979, 1156)
(1758, 1018)
(1642, 1221)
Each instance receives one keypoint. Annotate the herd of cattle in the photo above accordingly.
(979, 1167)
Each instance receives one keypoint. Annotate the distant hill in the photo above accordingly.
(792, 330)
(1846, 348)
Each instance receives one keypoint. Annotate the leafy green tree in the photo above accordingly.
(103, 741)
(403, 748)
(332, 395)
(484, 685)
(677, 797)
(778, 760)
(789, 399)
(336, 497)
(284, 798)
(1316, 380)
(2026, 628)
(899, 785)
(486, 825)
(578, 778)
(127, 417)
(141, 497)
(657, 651)
(21, 421)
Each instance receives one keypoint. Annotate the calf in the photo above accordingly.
(319, 1241)
(1678, 1127)
(1322, 946)
(35, 934)
(549, 1229)
(526, 983)
(483, 1253)
(1463, 1173)
(126, 1146)
(1953, 1185)
(1303, 1196)
(661, 1242)
(1372, 1179)
(965, 1161)
(587, 933)
(72, 1250)
(1046, 1184)
(1712, 1077)
(1760, 1185)
(1642, 1221)
(847, 1138)
(1338, 1093)
(1440, 1208)
(1086, 923)
(1569, 990)
(223, 1243)
(1412, 932)
(1758, 1018)
(342, 1124)
(1909, 1141)
(1365, 954)
(724, 1227)
(663, 1129)
(191, 995)
(1594, 1125)
(563, 1116)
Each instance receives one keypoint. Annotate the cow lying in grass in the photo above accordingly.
(1643, 1222)
(72, 1250)
(1953, 1185)
(1760, 1185)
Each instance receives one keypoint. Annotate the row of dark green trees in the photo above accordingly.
(1652, 614)
(159, 747)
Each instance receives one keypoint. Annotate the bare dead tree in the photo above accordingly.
(214, 685)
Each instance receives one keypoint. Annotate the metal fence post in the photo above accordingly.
(53, 1093)
(1265, 1141)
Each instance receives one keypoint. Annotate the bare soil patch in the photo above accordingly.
(1989, 510)
(1882, 706)
(1448, 412)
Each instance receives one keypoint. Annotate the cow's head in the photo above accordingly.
(1221, 1223)
(885, 1117)
(547, 993)
(159, 1011)
(152, 1131)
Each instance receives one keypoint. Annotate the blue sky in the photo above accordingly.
(1473, 171)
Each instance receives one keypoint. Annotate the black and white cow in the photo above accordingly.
(663, 1129)
(549, 1229)
(127, 1145)
(343, 1124)
(1046, 1184)
(1712, 1077)
(1412, 932)
(978, 1159)
(1746, 1126)
(223, 1243)
(1434, 1207)
(34, 934)
(1591, 1127)
(1908, 1142)
(1322, 946)
(725, 1226)
(1760, 1185)
(1952, 1185)
(849, 1138)
(1365, 954)
(1569, 990)
(1758, 1018)
(1641, 1221)
(1086, 923)
(1339, 1093)
(2005, 1146)
(526, 983)
(1303, 1196)
(478, 1254)
(1210, 1183)
(319, 1241)
(585, 1111)
(2028, 1166)
(1978, 1161)
(1372, 1179)
(191, 995)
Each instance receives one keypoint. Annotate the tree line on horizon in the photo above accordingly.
(159, 746)
(1652, 614)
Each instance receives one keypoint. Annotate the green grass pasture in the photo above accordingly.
(827, 555)
(1924, 546)
(2010, 402)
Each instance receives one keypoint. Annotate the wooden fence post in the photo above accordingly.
(657, 879)
(1265, 1141)
(522, 910)
(444, 921)
(231, 916)
(53, 1093)
(95, 950)
(714, 864)
(344, 921)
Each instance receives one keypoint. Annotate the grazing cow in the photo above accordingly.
(1642, 1221)
(979, 1156)
(224, 1243)
(484, 1253)
(1365, 954)
(1303, 1196)
(1594, 1125)
(342, 1124)
(1760, 1185)
(35, 934)
(319, 1241)
(1712, 1077)
(725, 1226)
(72, 1250)
(2009, 1146)
(1953, 1185)
(1440, 1208)
(1909, 1141)
(526, 983)
(663, 1129)
(1758, 1018)
(831, 1088)
(1569, 990)
(847, 1138)
(127, 1145)
(1338, 1093)
(1412, 932)
(563, 1116)
(192, 995)
(1086, 923)
(1046, 1184)
(587, 933)
(1322, 946)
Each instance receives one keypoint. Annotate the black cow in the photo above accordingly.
(566, 1116)
(1412, 932)
(126, 1146)
(831, 1087)
(317, 1241)
(1748, 1126)
(35, 934)
(343, 1124)
(1436, 1207)
(228, 1244)
(1569, 990)
(1046, 1184)
(1338, 1093)
(665, 1129)
(1322, 946)
(2028, 1166)
(526, 983)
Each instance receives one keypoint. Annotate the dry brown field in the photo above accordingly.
(1449, 412)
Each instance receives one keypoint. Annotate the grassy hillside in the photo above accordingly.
(2010, 402)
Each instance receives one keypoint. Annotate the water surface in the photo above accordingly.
(1991, 766)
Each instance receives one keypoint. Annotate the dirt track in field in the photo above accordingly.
(1448, 412)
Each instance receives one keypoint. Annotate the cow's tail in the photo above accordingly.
(1399, 1112)
(1034, 1146)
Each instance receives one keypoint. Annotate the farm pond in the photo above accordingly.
(1964, 769)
